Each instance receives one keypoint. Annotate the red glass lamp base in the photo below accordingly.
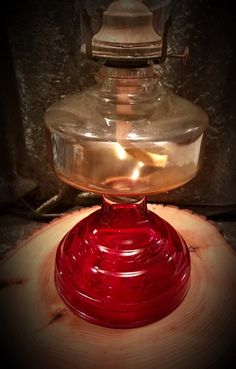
(122, 266)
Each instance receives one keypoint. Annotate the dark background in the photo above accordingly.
(41, 61)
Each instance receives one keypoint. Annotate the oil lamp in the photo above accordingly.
(124, 138)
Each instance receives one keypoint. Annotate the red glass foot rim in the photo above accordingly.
(122, 267)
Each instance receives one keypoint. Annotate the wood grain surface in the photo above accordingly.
(40, 332)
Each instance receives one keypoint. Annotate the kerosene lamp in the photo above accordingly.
(124, 138)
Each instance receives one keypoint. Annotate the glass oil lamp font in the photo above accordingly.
(124, 138)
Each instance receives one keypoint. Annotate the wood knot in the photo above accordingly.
(192, 248)
(4, 283)
(57, 314)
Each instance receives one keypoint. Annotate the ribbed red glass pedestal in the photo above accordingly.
(122, 266)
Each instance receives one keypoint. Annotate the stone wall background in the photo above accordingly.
(41, 61)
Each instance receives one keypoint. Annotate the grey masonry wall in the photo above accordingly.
(42, 62)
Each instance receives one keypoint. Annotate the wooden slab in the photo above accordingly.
(41, 332)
